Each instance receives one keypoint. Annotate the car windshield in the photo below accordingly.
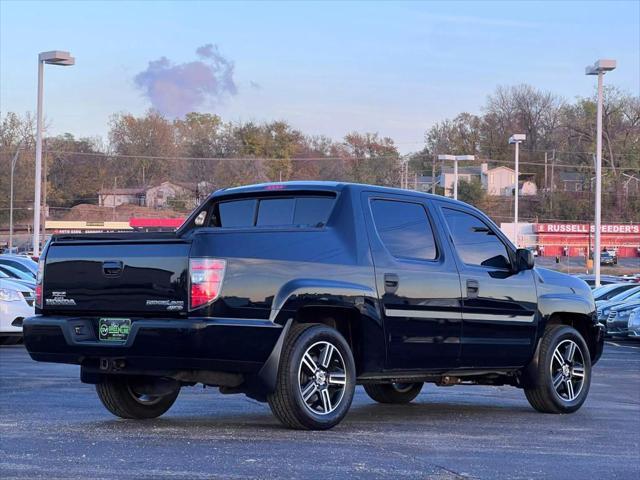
(27, 266)
(626, 295)
(15, 273)
(609, 291)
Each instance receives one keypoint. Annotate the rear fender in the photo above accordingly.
(303, 294)
(300, 293)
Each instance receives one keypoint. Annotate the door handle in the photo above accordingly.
(391, 282)
(112, 268)
(473, 288)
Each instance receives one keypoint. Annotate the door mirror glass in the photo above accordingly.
(524, 259)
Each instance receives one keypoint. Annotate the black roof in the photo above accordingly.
(327, 186)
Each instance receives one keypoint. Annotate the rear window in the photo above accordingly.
(302, 211)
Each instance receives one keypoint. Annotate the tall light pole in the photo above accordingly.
(52, 58)
(13, 167)
(599, 68)
(455, 159)
(517, 139)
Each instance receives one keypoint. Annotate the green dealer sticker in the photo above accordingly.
(114, 329)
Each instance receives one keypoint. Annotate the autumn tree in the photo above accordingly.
(373, 159)
(137, 140)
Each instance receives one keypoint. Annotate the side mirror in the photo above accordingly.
(524, 259)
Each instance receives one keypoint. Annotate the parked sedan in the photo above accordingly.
(634, 324)
(603, 307)
(16, 304)
(618, 319)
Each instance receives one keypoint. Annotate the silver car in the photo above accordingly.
(618, 319)
(603, 307)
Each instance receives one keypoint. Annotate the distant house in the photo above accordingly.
(498, 181)
(572, 181)
(468, 174)
(168, 194)
(425, 183)
(114, 197)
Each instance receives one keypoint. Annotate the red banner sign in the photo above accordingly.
(621, 229)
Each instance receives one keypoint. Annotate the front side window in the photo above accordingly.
(475, 242)
(404, 229)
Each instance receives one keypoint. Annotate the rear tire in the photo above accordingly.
(559, 381)
(118, 396)
(393, 392)
(316, 378)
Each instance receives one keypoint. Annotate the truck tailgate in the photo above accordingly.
(137, 275)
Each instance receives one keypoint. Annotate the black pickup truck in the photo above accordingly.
(293, 293)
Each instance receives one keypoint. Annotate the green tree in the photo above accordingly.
(471, 191)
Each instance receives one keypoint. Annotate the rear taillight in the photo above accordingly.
(206, 275)
(39, 279)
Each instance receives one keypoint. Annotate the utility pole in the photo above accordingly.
(43, 222)
(13, 167)
(433, 175)
(516, 138)
(50, 58)
(599, 68)
(546, 186)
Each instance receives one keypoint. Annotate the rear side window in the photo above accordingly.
(302, 211)
(277, 211)
(475, 242)
(240, 213)
(404, 229)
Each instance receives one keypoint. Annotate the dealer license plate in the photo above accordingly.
(114, 329)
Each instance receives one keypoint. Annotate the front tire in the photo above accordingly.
(316, 378)
(559, 381)
(393, 392)
(119, 396)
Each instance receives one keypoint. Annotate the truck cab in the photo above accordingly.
(295, 292)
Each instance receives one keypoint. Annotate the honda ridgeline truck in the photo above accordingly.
(294, 293)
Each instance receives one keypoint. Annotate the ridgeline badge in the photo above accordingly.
(60, 299)
(172, 305)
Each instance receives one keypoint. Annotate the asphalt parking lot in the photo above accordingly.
(52, 426)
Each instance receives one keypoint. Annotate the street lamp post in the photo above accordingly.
(516, 139)
(51, 58)
(599, 68)
(455, 159)
(13, 167)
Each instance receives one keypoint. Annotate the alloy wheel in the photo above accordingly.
(322, 378)
(567, 370)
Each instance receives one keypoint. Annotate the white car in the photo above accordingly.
(16, 304)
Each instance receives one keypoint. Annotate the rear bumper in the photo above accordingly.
(214, 344)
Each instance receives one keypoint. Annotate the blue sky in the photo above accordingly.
(327, 67)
